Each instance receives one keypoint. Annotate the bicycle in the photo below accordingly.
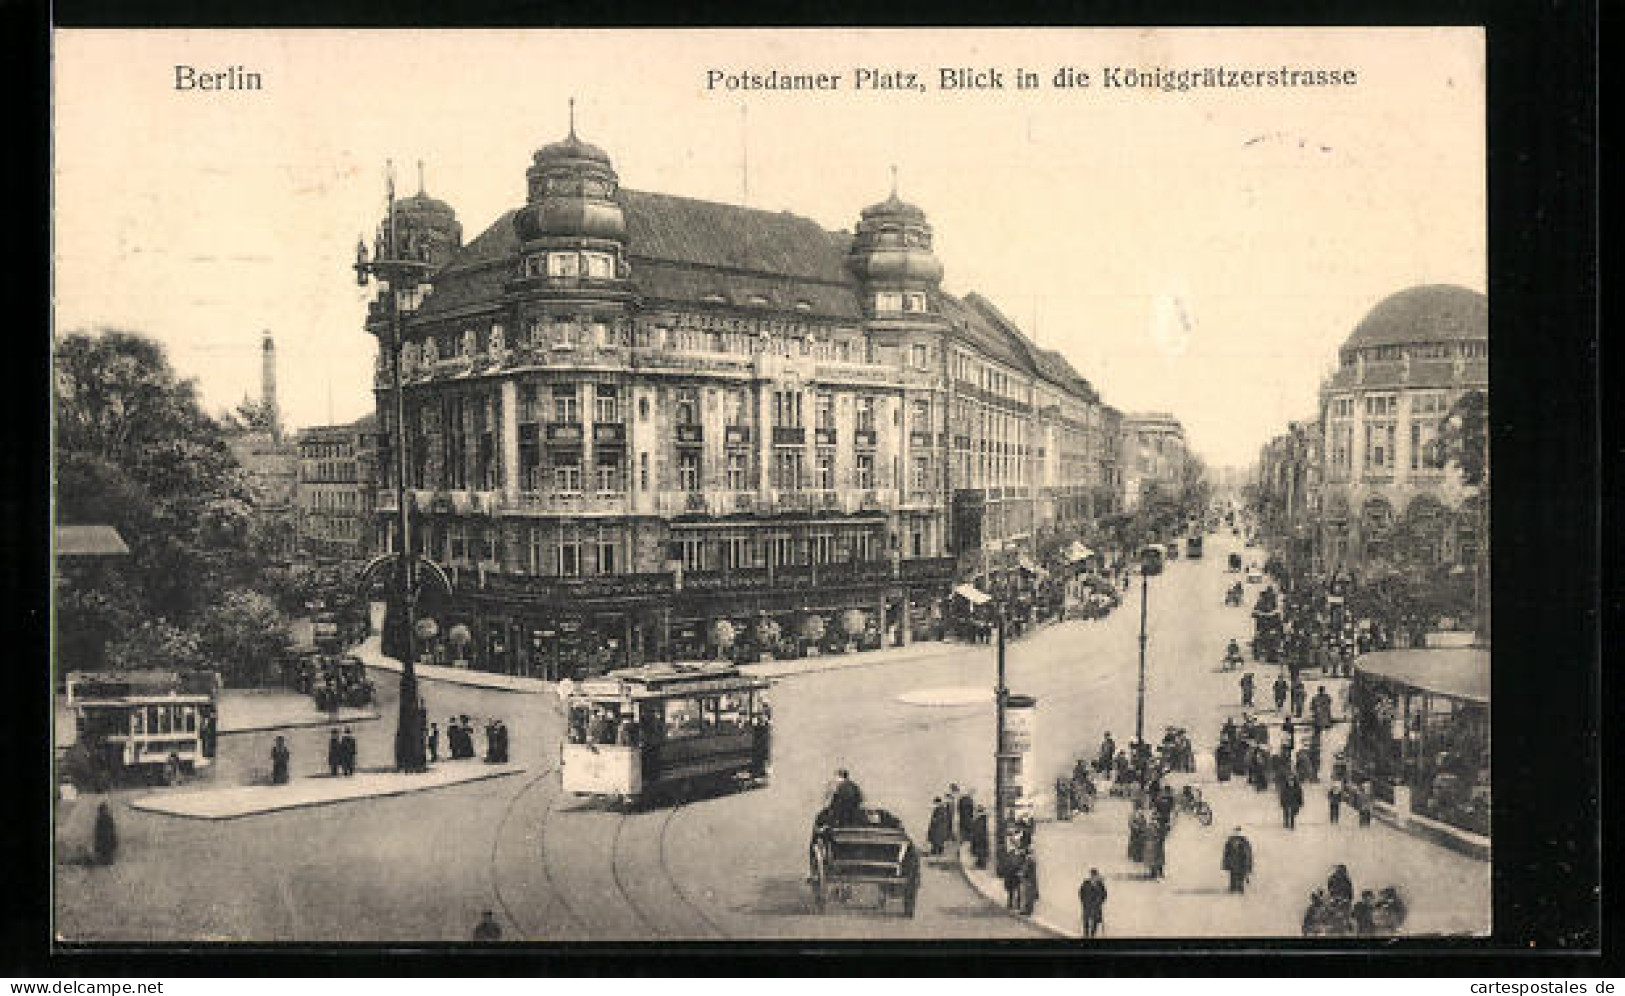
(1192, 803)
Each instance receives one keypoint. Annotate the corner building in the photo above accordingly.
(1398, 374)
(634, 417)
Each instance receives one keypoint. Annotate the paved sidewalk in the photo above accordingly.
(319, 790)
(1448, 893)
(250, 711)
(372, 656)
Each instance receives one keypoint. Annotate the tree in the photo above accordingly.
(135, 450)
(245, 636)
(250, 416)
(1464, 438)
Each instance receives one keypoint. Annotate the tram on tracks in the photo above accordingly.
(640, 733)
(153, 724)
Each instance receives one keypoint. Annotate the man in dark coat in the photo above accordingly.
(1291, 801)
(1156, 850)
(1221, 760)
(1247, 689)
(845, 801)
(1108, 752)
(434, 742)
(1029, 882)
(1092, 898)
(335, 753)
(488, 929)
(1238, 860)
(347, 751)
(1320, 709)
(1339, 886)
(980, 840)
(937, 832)
(1300, 695)
(1280, 688)
(1334, 799)
(279, 762)
(967, 814)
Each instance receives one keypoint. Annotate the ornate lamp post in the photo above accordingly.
(391, 269)
(1150, 563)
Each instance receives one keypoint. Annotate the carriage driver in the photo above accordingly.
(845, 802)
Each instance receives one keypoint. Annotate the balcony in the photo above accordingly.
(564, 433)
(864, 437)
(824, 437)
(563, 503)
(609, 433)
(789, 435)
(920, 439)
(566, 590)
(736, 435)
(690, 434)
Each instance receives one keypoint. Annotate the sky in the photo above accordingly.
(1202, 252)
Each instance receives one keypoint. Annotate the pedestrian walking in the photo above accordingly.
(347, 751)
(1299, 694)
(104, 836)
(488, 929)
(1156, 851)
(1365, 923)
(1238, 860)
(1092, 900)
(1012, 883)
(937, 831)
(980, 841)
(1303, 766)
(280, 757)
(1363, 803)
(967, 814)
(1029, 882)
(1339, 886)
(434, 742)
(335, 753)
(1291, 792)
(1320, 709)
(1280, 689)
(1289, 735)
(1334, 800)
(1138, 828)
(1221, 760)
(1247, 688)
(950, 802)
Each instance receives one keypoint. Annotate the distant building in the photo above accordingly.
(336, 489)
(1399, 372)
(1288, 487)
(1153, 455)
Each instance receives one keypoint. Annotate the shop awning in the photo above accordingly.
(975, 596)
(1461, 673)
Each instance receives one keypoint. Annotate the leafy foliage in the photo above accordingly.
(135, 450)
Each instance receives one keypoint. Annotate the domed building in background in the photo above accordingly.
(1383, 501)
(634, 417)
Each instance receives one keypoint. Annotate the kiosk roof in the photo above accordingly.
(1460, 672)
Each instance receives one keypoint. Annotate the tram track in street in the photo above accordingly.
(556, 895)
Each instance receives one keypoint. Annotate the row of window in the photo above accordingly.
(1470, 350)
(326, 451)
(968, 369)
(337, 471)
(594, 265)
(333, 501)
(910, 302)
(345, 529)
(1378, 445)
(1387, 405)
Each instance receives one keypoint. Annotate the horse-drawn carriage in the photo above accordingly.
(874, 856)
(341, 681)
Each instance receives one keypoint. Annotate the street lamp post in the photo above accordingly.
(1150, 563)
(392, 270)
(1000, 695)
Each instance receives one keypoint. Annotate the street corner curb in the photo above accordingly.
(993, 898)
(138, 804)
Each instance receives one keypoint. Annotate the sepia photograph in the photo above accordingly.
(556, 486)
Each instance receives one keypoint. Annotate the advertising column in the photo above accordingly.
(1015, 757)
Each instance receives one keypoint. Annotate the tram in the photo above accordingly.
(636, 733)
(159, 724)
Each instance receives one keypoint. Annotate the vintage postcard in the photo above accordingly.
(652, 485)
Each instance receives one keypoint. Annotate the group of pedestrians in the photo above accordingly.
(956, 817)
(460, 740)
(341, 752)
(1020, 872)
(1333, 911)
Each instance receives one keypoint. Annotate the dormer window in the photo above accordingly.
(600, 265)
(563, 264)
(914, 301)
(889, 301)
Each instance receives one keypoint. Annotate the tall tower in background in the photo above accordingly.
(268, 384)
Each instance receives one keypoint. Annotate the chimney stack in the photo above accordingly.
(268, 384)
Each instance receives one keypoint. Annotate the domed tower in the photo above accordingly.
(891, 257)
(427, 230)
(572, 225)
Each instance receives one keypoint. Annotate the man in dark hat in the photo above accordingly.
(434, 742)
(335, 753)
(347, 751)
(1238, 860)
(1280, 689)
(967, 814)
(845, 801)
(488, 929)
(1092, 898)
(1291, 792)
(279, 762)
